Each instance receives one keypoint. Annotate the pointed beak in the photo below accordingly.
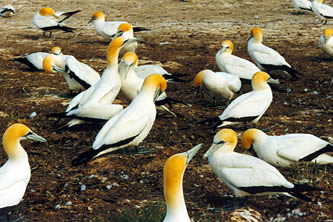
(191, 153)
(35, 137)
(127, 67)
(274, 81)
(91, 20)
(212, 148)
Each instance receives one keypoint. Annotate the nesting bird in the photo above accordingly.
(286, 150)
(49, 20)
(15, 173)
(325, 41)
(35, 60)
(250, 106)
(267, 58)
(7, 11)
(173, 173)
(247, 175)
(323, 11)
(234, 64)
(130, 126)
(221, 84)
(302, 5)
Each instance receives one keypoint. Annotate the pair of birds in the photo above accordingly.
(323, 11)
(246, 175)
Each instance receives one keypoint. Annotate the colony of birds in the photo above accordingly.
(144, 87)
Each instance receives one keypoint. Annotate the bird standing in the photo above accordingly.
(323, 11)
(325, 41)
(130, 126)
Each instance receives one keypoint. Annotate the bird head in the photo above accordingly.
(46, 12)
(156, 83)
(129, 59)
(56, 50)
(97, 16)
(257, 34)
(227, 46)
(328, 32)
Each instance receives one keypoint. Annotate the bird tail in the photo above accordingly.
(170, 102)
(67, 29)
(84, 157)
(299, 188)
(140, 29)
(58, 115)
(68, 15)
(25, 61)
(292, 71)
(175, 77)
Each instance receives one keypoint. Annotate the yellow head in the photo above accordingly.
(124, 27)
(199, 79)
(320, 1)
(155, 82)
(328, 32)
(259, 80)
(113, 49)
(48, 62)
(227, 46)
(46, 11)
(97, 16)
(130, 58)
(249, 137)
(257, 34)
(56, 50)
(12, 137)
(225, 136)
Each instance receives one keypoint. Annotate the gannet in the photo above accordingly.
(325, 41)
(15, 173)
(143, 71)
(323, 11)
(125, 30)
(302, 5)
(286, 150)
(245, 174)
(130, 126)
(265, 57)
(49, 20)
(96, 101)
(78, 75)
(221, 84)
(173, 173)
(108, 29)
(7, 11)
(250, 106)
(234, 64)
(35, 60)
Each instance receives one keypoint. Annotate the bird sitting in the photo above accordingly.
(325, 41)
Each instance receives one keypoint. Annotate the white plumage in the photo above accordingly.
(302, 5)
(234, 64)
(15, 173)
(250, 106)
(130, 126)
(323, 11)
(325, 41)
(7, 11)
(286, 150)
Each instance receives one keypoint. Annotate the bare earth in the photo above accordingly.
(184, 38)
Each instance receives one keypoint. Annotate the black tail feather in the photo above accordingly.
(170, 102)
(140, 29)
(326, 149)
(58, 115)
(84, 157)
(68, 15)
(59, 27)
(175, 77)
(299, 188)
(212, 123)
(25, 61)
(288, 69)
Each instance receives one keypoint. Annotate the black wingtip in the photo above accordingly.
(26, 62)
(83, 158)
(58, 115)
(299, 188)
(140, 29)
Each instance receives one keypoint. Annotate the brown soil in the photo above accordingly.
(184, 38)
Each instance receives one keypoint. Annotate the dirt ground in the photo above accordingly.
(184, 38)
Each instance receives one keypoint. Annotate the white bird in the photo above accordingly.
(325, 41)
(267, 58)
(246, 175)
(143, 71)
(250, 106)
(234, 64)
(108, 29)
(125, 30)
(286, 150)
(78, 75)
(302, 5)
(15, 173)
(323, 11)
(35, 60)
(49, 20)
(7, 11)
(173, 173)
(221, 84)
(96, 101)
(130, 126)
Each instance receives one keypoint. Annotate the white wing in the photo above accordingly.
(265, 55)
(239, 66)
(326, 10)
(145, 70)
(37, 59)
(111, 28)
(44, 21)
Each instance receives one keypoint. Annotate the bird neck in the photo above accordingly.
(261, 86)
(13, 148)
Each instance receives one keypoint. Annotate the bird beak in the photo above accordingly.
(127, 67)
(191, 153)
(274, 81)
(35, 137)
(91, 20)
(212, 148)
